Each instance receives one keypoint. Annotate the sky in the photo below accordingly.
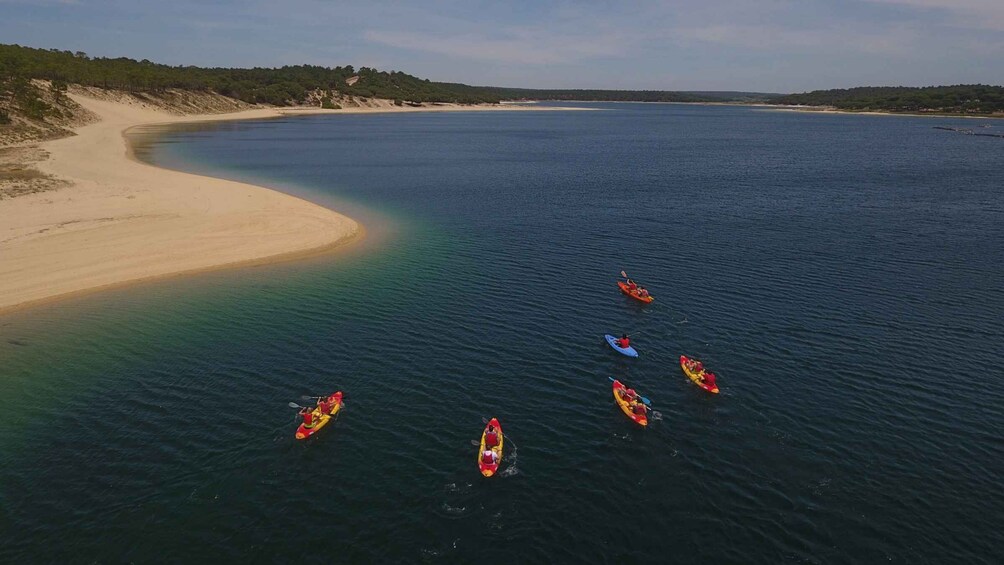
(751, 45)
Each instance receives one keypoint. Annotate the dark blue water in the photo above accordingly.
(841, 275)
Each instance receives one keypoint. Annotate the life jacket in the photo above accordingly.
(491, 439)
(308, 419)
(709, 379)
(325, 407)
(639, 409)
(487, 458)
(623, 343)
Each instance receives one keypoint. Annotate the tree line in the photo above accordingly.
(281, 86)
(961, 98)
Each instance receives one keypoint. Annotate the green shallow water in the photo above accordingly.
(821, 265)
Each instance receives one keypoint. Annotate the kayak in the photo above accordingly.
(321, 420)
(489, 469)
(634, 293)
(696, 376)
(626, 406)
(629, 351)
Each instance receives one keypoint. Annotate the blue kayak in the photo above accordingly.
(629, 351)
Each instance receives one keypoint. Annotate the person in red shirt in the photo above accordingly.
(632, 286)
(308, 417)
(709, 380)
(624, 342)
(489, 457)
(491, 437)
(638, 409)
(325, 405)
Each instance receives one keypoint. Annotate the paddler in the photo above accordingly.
(324, 404)
(638, 409)
(624, 342)
(631, 395)
(489, 457)
(491, 437)
(708, 379)
(642, 292)
(308, 417)
(632, 286)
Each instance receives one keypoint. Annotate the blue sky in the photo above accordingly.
(758, 45)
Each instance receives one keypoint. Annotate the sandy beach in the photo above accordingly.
(118, 221)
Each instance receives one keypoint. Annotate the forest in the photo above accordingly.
(957, 99)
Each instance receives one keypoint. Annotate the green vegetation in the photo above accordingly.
(282, 86)
(628, 95)
(960, 99)
(292, 84)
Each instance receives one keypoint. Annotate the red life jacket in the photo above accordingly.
(491, 439)
(487, 458)
(623, 343)
(639, 409)
(325, 407)
(308, 419)
(709, 379)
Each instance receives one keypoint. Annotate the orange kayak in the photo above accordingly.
(634, 293)
(627, 405)
(695, 374)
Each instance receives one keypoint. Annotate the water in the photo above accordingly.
(840, 274)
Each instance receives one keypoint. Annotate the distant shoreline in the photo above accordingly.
(778, 107)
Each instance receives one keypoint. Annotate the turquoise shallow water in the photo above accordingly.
(839, 273)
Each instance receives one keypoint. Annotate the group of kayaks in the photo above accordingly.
(490, 448)
(693, 368)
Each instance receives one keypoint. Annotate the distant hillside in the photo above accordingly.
(630, 95)
(958, 99)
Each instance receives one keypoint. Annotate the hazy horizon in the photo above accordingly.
(756, 46)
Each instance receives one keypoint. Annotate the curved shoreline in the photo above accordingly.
(121, 221)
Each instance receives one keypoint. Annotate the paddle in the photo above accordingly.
(644, 400)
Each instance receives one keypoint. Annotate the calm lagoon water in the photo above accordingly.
(841, 274)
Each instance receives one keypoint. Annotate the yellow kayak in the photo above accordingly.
(489, 469)
(696, 376)
(321, 420)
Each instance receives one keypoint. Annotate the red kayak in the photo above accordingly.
(634, 293)
(320, 420)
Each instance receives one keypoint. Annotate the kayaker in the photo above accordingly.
(489, 457)
(632, 286)
(631, 395)
(325, 405)
(638, 408)
(491, 437)
(624, 342)
(642, 292)
(308, 417)
(708, 379)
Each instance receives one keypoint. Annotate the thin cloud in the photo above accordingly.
(520, 46)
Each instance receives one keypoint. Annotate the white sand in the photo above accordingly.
(123, 221)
